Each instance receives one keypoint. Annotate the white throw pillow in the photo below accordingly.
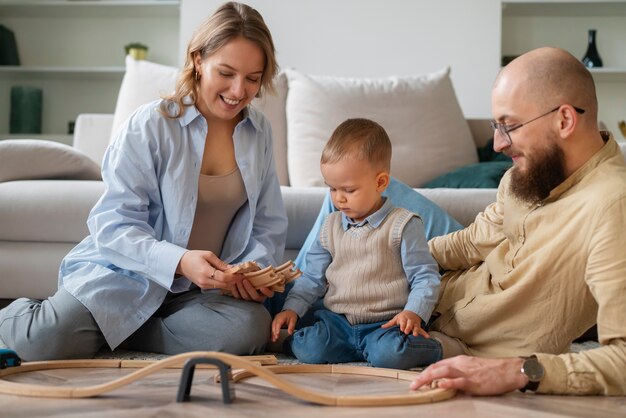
(273, 107)
(32, 159)
(143, 82)
(421, 115)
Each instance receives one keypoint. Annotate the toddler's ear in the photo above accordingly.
(382, 181)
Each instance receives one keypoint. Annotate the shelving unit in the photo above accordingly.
(74, 51)
(531, 24)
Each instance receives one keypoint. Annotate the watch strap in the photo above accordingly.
(532, 385)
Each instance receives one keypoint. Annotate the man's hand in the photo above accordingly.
(474, 375)
(409, 323)
(288, 317)
(206, 270)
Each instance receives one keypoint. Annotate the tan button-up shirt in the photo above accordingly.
(530, 278)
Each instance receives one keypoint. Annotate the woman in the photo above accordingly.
(189, 177)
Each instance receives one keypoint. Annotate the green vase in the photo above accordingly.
(25, 110)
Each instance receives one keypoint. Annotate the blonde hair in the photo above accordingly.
(230, 21)
(358, 138)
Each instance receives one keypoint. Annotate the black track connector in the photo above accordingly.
(186, 380)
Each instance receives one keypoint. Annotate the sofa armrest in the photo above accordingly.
(91, 134)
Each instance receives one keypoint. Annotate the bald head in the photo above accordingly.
(550, 77)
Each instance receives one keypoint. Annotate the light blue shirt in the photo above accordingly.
(419, 266)
(140, 227)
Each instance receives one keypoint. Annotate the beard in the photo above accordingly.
(545, 169)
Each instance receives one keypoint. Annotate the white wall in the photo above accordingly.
(375, 38)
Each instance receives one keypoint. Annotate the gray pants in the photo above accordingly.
(60, 327)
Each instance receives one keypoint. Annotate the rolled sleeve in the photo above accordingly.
(594, 372)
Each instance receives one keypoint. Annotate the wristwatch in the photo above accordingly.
(534, 372)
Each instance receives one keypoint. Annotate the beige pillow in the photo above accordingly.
(421, 115)
(30, 159)
(273, 107)
(143, 82)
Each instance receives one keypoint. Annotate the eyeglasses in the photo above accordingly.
(505, 130)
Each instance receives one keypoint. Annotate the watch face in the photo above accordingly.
(533, 369)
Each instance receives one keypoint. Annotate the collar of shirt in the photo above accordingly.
(192, 112)
(609, 149)
(375, 219)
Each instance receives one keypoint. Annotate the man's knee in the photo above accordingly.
(451, 347)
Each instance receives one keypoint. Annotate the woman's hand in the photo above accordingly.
(206, 270)
(244, 290)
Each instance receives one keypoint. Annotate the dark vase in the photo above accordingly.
(592, 58)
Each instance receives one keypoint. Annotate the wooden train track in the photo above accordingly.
(274, 278)
(250, 366)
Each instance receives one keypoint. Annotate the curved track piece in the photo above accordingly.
(269, 374)
(407, 398)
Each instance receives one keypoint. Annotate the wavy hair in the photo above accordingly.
(230, 21)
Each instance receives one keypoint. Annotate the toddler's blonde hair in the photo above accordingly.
(362, 139)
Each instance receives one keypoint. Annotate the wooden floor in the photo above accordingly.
(154, 396)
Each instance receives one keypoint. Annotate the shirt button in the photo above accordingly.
(520, 238)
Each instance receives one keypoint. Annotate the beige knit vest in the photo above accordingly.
(366, 280)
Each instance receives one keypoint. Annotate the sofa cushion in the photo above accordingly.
(421, 114)
(47, 210)
(26, 159)
(145, 81)
(483, 175)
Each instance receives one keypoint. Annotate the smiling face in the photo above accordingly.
(355, 186)
(229, 79)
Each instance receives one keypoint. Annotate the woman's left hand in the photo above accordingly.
(244, 290)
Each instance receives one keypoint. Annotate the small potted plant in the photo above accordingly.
(137, 50)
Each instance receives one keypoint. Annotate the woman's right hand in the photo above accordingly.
(206, 270)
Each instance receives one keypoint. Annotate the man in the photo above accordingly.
(545, 261)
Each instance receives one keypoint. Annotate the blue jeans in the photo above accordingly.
(331, 339)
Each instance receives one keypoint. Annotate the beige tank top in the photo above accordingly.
(219, 199)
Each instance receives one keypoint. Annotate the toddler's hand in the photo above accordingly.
(409, 323)
(288, 317)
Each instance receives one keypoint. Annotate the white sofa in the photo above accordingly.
(43, 215)
(41, 220)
